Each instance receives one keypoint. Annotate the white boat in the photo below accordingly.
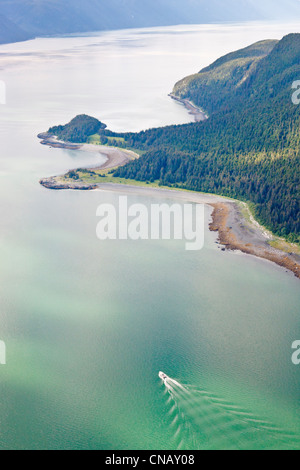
(163, 376)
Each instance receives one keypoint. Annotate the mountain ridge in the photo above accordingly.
(53, 17)
(10, 32)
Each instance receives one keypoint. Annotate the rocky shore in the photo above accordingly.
(196, 112)
(235, 233)
(54, 183)
(51, 141)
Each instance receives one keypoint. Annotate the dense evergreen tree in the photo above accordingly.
(249, 147)
(78, 130)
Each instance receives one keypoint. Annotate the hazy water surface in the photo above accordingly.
(88, 324)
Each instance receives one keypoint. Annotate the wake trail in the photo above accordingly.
(200, 419)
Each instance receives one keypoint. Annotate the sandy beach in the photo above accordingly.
(115, 157)
(236, 232)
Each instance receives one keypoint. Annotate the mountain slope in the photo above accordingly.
(10, 32)
(248, 149)
(216, 84)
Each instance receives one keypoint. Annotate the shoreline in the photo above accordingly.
(235, 232)
(198, 113)
(255, 243)
(114, 158)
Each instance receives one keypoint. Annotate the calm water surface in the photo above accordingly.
(88, 324)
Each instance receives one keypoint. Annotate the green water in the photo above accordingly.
(88, 324)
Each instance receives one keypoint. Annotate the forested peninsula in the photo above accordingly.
(248, 148)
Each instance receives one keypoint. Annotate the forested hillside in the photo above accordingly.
(78, 130)
(219, 83)
(249, 147)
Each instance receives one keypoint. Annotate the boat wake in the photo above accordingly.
(201, 420)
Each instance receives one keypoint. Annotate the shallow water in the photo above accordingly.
(88, 324)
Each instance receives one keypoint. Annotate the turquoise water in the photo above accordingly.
(88, 324)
